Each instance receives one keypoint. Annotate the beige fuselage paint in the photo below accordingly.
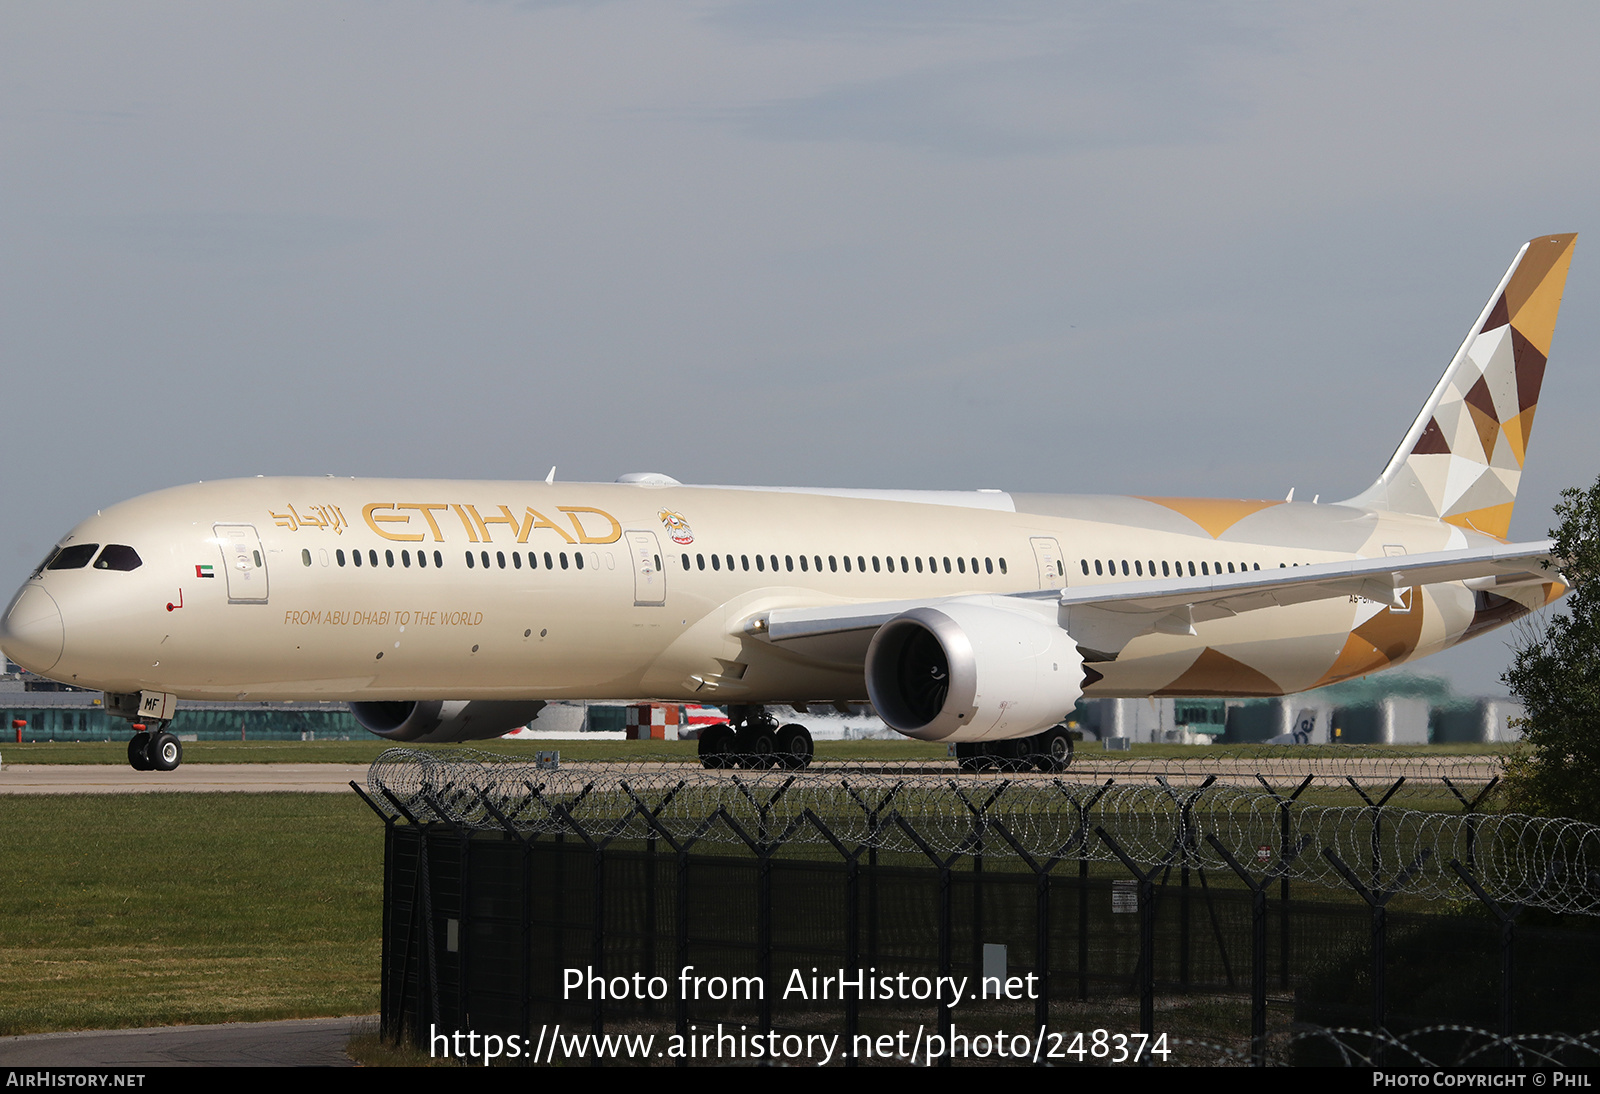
(628, 626)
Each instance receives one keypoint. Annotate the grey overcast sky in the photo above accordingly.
(1218, 249)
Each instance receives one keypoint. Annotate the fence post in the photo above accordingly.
(852, 927)
(943, 865)
(1147, 928)
(1470, 808)
(1507, 917)
(1258, 939)
(1377, 899)
(1080, 835)
(388, 1022)
(764, 848)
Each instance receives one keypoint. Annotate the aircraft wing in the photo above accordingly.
(1104, 618)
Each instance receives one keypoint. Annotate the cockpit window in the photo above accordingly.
(118, 556)
(48, 559)
(73, 558)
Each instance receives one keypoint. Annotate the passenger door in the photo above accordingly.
(1047, 555)
(244, 562)
(649, 578)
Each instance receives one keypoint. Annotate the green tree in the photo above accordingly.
(1556, 674)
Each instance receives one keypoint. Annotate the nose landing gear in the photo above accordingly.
(158, 751)
(153, 747)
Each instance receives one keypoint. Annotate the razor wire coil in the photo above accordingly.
(1353, 811)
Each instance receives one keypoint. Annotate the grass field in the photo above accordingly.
(151, 909)
(133, 910)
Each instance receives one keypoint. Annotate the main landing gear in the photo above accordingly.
(752, 739)
(157, 751)
(1049, 751)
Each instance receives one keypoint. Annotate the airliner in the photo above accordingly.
(447, 611)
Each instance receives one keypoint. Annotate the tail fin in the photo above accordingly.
(1462, 458)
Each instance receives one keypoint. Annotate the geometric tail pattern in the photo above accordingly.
(1462, 459)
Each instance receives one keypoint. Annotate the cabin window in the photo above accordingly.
(339, 556)
(405, 558)
(875, 568)
(788, 563)
(744, 563)
(563, 560)
(1002, 565)
(549, 563)
(761, 564)
(305, 558)
(716, 563)
(577, 559)
(516, 560)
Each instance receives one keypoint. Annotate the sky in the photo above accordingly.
(1217, 249)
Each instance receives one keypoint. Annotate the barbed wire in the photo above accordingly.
(1350, 1047)
(1339, 833)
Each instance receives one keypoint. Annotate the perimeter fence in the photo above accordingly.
(1247, 903)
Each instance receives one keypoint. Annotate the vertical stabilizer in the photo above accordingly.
(1462, 458)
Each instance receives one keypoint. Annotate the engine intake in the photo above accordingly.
(442, 721)
(972, 672)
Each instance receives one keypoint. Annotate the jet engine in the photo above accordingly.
(968, 671)
(442, 721)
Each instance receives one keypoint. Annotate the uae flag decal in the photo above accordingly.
(204, 571)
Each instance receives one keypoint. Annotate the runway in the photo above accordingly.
(1279, 769)
(191, 778)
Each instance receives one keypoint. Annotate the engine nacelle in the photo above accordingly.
(442, 721)
(968, 671)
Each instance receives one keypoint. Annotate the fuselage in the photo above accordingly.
(379, 589)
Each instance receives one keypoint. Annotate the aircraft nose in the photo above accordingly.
(32, 633)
